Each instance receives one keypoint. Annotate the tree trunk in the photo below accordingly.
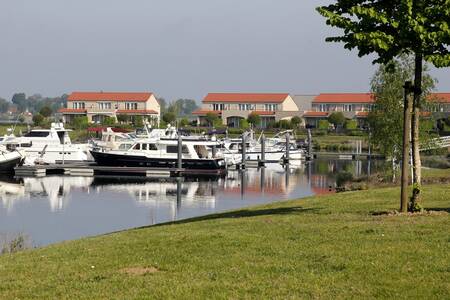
(417, 166)
(406, 143)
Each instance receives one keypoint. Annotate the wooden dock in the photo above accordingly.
(92, 169)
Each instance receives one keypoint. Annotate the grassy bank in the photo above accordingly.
(336, 246)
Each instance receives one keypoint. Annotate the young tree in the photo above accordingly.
(296, 121)
(211, 118)
(46, 111)
(254, 119)
(389, 29)
(337, 119)
(169, 117)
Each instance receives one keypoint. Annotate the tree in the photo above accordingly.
(169, 117)
(337, 119)
(4, 105)
(138, 121)
(109, 121)
(211, 118)
(243, 124)
(386, 118)
(183, 107)
(20, 99)
(80, 122)
(254, 119)
(184, 122)
(389, 29)
(38, 119)
(296, 121)
(123, 118)
(46, 111)
(162, 104)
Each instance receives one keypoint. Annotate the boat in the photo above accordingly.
(47, 146)
(162, 153)
(9, 160)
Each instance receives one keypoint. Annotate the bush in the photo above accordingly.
(254, 119)
(296, 121)
(351, 124)
(138, 121)
(80, 122)
(184, 122)
(284, 124)
(323, 125)
(38, 119)
(337, 119)
(243, 124)
(343, 177)
(123, 118)
(169, 117)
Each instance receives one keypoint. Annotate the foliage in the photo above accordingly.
(46, 111)
(4, 105)
(162, 104)
(336, 118)
(80, 122)
(38, 119)
(296, 121)
(351, 124)
(20, 99)
(211, 118)
(323, 125)
(392, 28)
(109, 121)
(169, 117)
(254, 119)
(243, 124)
(36, 102)
(121, 118)
(138, 121)
(183, 107)
(184, 122)
(284, 124)
(386, 119)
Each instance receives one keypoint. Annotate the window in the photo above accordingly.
(174, 149)
(271, 107)
(144, 146)
(322, 107)
(152, 147)
(131, 106)
(37, 134)
(218, 106)
(246, 107)
(104, 105)
(137, 147)
(348, 107)
(124, 146)
(78, 105)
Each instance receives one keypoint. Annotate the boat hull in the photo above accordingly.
(120, 160)
(9, 162)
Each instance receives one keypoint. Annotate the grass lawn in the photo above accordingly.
(336, 246)
(17, 129)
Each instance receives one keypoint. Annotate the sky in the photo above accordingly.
(176, 48)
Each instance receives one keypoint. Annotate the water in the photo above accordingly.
(57, 208)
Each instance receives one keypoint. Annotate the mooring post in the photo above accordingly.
(287, 149)
(180, 153)
(263, 151)
(243, 152)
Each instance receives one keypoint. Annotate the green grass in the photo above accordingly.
(17, 129)
(320, 247)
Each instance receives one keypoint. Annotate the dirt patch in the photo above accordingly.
(395, 213)
(139, 271)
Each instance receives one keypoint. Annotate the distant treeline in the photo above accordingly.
(32, 103)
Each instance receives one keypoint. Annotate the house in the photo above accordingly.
(231, 108)
(352, 105)
(98, 105)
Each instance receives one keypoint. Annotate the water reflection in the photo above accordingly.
(52, 209)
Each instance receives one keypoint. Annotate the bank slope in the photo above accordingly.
(335, 246)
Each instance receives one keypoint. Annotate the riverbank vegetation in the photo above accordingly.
(336, 246)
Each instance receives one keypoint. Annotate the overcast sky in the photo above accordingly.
(176, 49)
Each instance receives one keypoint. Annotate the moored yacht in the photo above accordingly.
(47, 145)
(161, 153)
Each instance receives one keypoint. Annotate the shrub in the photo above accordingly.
(169, 117)
(254, 119)
(243, 124)
(296, 121)
(38, 119)
(109, 121)
(351, 124)
(323, 125)
(337, 119)
(343, 177)
(80, 122)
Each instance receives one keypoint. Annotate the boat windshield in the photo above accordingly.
(37, 134)
(125, 146)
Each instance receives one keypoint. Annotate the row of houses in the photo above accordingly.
(231, 108)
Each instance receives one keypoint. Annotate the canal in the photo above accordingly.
(57, 208)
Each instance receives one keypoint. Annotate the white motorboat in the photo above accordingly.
(47, 145)
(9, 160)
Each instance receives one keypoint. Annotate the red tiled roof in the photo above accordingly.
(72, 110)
(440, 97)
(345, 98)
(315, 114)
(108, 96)
(263, 112)
(137, 111)
(245, 97)
(203, 112)
(362, 114)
